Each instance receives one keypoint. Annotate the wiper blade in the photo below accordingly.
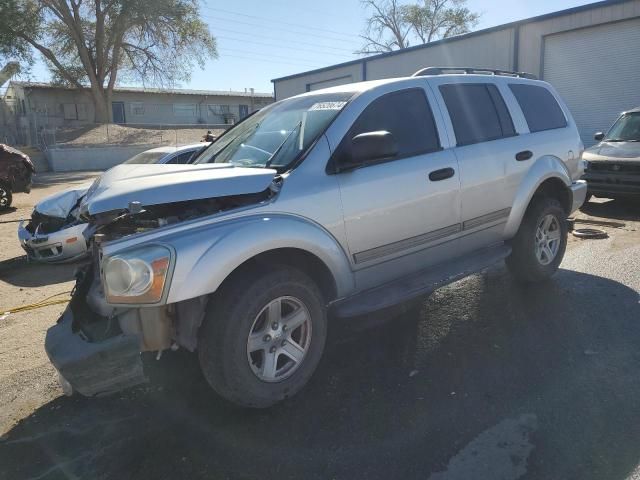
(277, 150)
(614, 140)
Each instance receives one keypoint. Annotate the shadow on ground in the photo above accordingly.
(5, 211)
(20, 272)
(395, 401)
(613, 209)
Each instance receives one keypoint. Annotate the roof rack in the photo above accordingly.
(471, 71)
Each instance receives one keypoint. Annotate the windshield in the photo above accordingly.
(146, 157)
(276, 135)
(626, 129)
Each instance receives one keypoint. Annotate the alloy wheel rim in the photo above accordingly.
(548, 236)
(4, 197)
(279, 339)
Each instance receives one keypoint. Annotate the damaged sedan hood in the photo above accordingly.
(162, 184)
(59, 205)
(613, 151)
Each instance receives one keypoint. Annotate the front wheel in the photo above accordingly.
(263, 336)
(5, 196)
(539, 245)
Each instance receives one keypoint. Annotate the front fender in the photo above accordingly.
(544, 168)
(206, 257)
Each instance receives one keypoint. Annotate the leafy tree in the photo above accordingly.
(91, 44)
(392, 26)
(434, 19)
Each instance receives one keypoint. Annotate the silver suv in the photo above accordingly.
(334, 203)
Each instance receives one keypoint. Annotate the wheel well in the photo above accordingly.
(300, 259)
(555, 188)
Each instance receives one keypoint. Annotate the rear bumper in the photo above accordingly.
(93, 369)
(579, 194)
(612, 184)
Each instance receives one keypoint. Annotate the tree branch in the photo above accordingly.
(48, 54)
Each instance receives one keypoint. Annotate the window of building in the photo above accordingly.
(41, 107)
(184, 109)
(69, 111)
(137, 108)
(216, 110)
(478, 112)
(540, 108)
(407, 116)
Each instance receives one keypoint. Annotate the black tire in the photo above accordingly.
(6, 196)
(523, 261)
(587, 198)
(222, 340)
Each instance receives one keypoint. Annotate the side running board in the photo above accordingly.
(421, 283)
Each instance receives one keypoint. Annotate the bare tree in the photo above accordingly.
(91, 44)
(386, 28)
(391, 25)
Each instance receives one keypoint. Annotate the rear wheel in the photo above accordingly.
(5, 196)
(263, 336)
(539, 245)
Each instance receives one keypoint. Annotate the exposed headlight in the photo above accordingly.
(136, 276)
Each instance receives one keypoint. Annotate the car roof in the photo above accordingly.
(359, 87)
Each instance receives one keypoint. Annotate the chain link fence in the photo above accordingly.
(96, 135)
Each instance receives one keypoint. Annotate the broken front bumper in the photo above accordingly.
(64, 245)
(93, 368)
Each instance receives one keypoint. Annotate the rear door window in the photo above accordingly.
(540, 108)
(405, 114)
(478, 112)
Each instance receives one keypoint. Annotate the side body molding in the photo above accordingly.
(543, 168)
(206, 256)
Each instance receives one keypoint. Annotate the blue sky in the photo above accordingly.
(263, 39)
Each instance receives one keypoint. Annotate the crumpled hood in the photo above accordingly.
(60, 204)
(613, 151)
(159, 184)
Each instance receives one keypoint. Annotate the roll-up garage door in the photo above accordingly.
(597, 72)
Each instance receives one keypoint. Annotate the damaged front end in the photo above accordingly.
(115, 313)
(55, 233)
(91, 352)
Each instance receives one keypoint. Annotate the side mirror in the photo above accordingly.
(369, 147)
(598, 136)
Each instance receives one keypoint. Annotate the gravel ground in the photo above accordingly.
(483, 379)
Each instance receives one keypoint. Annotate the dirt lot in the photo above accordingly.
(486, 379)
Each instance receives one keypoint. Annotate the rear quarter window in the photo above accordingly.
(539, 106)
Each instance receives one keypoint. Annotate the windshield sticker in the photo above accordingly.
(327, 106)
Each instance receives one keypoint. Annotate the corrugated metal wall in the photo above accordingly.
(597, 72)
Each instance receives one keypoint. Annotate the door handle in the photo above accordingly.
(524, 155)
(441, 174)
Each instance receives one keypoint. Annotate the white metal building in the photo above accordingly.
(591, 54)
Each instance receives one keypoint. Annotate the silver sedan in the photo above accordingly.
(55, 233)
